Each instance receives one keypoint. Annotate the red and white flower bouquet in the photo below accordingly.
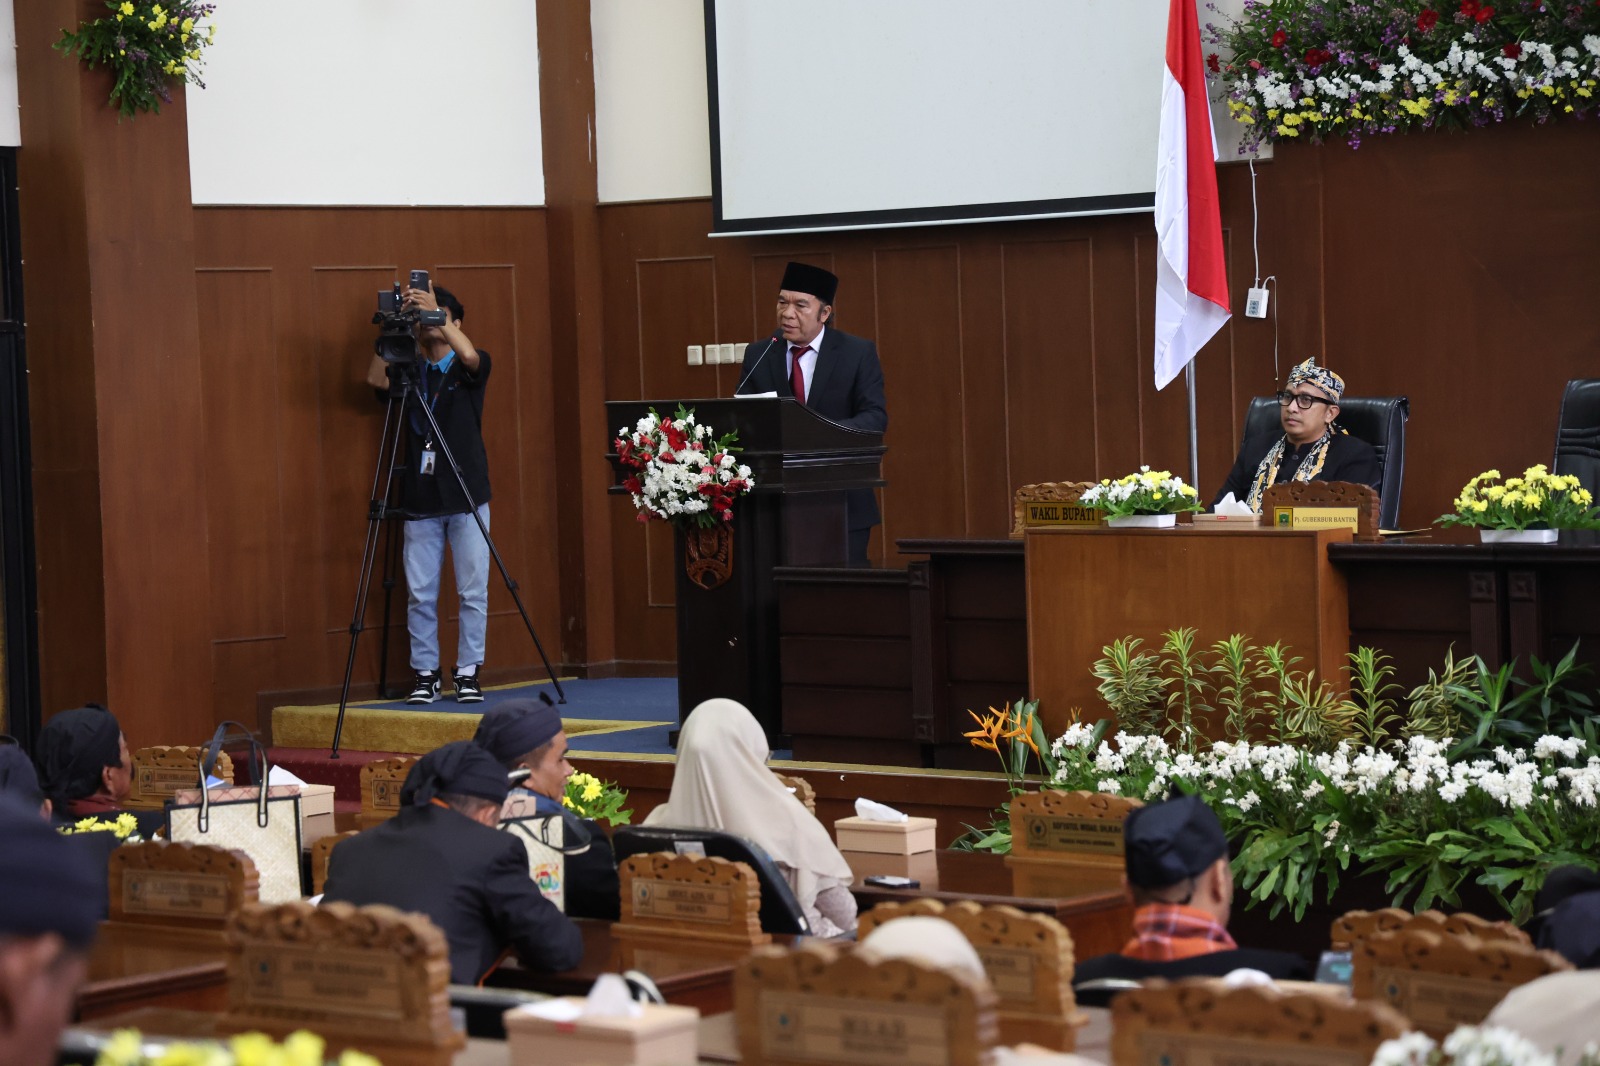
(686, 473)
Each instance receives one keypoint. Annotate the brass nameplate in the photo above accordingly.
(1010, 971)
(167, 779)
(1436, 1001)
(1314, 517)
(321, 985)
(829, 1029)
(1198, 1049)
(386, 794)
(1047, 833)
(1056, 513)
(711, 904)
(166, 892)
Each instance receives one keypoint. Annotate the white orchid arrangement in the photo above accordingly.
(1144, 492)
(686, 473)
(1471, 1045)
(1301, 817)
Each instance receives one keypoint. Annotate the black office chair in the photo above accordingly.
(1578, 433)
(780, 910)
(1378, 420)
(1096, 981)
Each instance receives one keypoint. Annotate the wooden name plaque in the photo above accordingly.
(1322, 505)
(820, 1003)
(1076, 827)
(1359, 925)
(190, 885)
(1029, 960)
(1051, 503)
(1199, 1022)
(687, 896)
(370, 978)
(160, 771)
(381, 781)
(1441, 980)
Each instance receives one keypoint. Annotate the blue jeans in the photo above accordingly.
(425, 539)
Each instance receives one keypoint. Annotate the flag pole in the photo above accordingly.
(1194, 428)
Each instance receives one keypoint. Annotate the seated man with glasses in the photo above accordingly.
(1310, 448)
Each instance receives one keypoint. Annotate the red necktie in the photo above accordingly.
(797, 377)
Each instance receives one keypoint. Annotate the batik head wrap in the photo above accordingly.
(1309, 373)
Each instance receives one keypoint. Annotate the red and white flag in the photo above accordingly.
(1191, 280)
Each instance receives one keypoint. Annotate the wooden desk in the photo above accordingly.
(132, 967)
(1093, 904)
(701, 978)
(1088, 587)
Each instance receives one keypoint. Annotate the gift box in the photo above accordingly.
(659, 1036)
(910, 837)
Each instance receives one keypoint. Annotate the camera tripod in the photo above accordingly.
(378, 509)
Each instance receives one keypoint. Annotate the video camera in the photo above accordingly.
(397, 339)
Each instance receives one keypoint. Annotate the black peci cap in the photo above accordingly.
(1165, 843)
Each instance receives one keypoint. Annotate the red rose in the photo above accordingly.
(1512, 50)
(1427, 20)
(1279, 39)
(1484, 15)
(633, 485)
(1469, 8)
(1212, 62)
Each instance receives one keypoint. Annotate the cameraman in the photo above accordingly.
(452, 376)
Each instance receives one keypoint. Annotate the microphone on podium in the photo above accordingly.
(777, 335)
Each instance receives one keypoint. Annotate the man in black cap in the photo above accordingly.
(836, 375)
(441, 856)
(526, 734)
(1176, 857)
(85, 769)
(49, 909)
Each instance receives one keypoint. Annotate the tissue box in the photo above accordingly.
(316, 813)
(909, 837)
(1224, 521)
(663, 1035)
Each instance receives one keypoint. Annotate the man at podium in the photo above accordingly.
(834, 374)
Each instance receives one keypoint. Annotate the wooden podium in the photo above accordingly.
(802, 464)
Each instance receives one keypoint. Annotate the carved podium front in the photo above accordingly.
(802, 465)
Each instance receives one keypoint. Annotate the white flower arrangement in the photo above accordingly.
(1144, 492)
(1471, 1045)
(686, 473)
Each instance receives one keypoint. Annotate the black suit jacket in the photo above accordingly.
(472, 881)
(1281, 965)
(1348, 459)
(846, 387)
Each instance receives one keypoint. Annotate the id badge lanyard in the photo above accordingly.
(426, 461)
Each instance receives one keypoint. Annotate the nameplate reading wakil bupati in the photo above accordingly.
(712, 904)
(795, 1025)
(1436, 1001)
(1057, 513)
(1315, 517)
(1048, 833)
(319, 984)
(179, 894)
(1201, 1049)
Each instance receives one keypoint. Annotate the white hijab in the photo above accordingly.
(722, 782)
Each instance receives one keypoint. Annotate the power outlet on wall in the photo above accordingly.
(1255, 303)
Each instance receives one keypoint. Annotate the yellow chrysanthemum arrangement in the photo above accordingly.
(126, 1048)
(589, 797)
(147, 45)
(1145, 491)
(1537, 499)
(124, 825)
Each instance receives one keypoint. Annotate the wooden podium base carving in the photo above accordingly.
(708, 554)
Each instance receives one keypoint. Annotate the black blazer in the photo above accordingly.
(472, 881)
(847, 388)
(1348, 459)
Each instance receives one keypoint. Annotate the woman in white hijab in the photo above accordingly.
(722, 782)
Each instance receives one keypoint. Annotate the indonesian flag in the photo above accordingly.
(1191, 282)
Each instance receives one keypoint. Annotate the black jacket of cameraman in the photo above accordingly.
(456, 396)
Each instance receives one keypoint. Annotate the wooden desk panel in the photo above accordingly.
(133, 967)
(1088, 587)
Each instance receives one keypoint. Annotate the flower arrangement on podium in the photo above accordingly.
(1149, 498)
(1529, 508)
(689, 476)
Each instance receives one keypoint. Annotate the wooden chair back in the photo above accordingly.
(184, 886)
(163, 769)
(801, 788)
(822, 1003)
(1358, 925)
(668, 897)
(1199, 1022)
(380, 788)
(321, 855)
(1440, 980)
(1029, 960)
